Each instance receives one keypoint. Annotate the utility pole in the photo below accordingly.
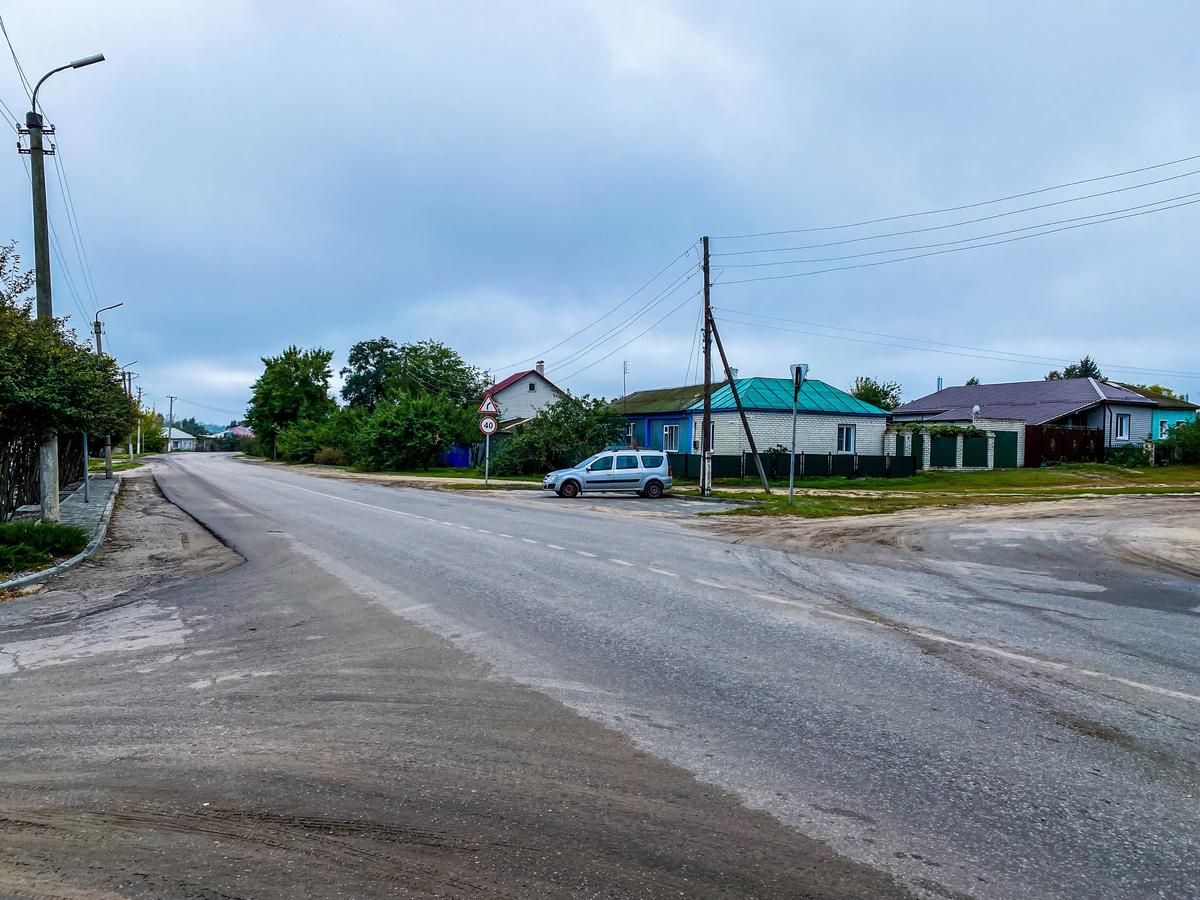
(625, 401)
(127, 378)
(799, 373)
(170, 421)
(108, 472)
(35, 128)
(706, 421)
(741, 412)
(139, 420)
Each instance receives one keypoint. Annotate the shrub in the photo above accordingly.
(1184, 441)
(26, 545)
(409, 431)
(330, 456)
(560, 435)
(1131, 456)
(304, 440)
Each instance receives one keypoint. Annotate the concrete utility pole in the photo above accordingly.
(730, 374)
(127, 378)
(139, 421)
(34, 127)
(108, 472)
(799, 372)
(170, 421)
(706, 421)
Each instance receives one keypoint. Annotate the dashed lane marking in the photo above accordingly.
(621, 562)
(585, 553)
(483, 531)
(662, 572)
(723, 587)
(504, 535)
(555, 547)
(530, 541)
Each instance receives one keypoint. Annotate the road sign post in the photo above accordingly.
(488, 426)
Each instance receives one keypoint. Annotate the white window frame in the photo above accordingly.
(851, 431)
(630, 433)
(1122, 424)
(673, 430)
(1164, 429)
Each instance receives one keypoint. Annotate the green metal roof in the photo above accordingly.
(776, 394)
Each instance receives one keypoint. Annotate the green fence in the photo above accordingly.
(943, 452)
(808, 465)
(1006, 450)
(975, 452)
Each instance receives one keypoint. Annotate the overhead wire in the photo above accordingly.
(884, 262)
(1014, 212)
(932, 212)
(16, 62)
(993, 358)
(73, 219)
(1100, 216)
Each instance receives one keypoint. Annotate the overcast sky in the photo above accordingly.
(498, 176)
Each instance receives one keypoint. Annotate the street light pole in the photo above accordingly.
(100, 352)
(48, 452)
(170, 421)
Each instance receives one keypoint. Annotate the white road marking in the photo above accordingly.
(621, 562)
(451, 524)
(710, 584)
(530, 541)
(504, 535)
(585, 553)
(662, 572)
(483, 531)
(555, 547)
(468, 527)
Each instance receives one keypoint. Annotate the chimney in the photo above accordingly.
(939, 382)
(540, 367)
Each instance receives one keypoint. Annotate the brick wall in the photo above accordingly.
(815, 433)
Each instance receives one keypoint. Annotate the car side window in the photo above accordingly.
(651, 462)
(627, 462)
(603, 464)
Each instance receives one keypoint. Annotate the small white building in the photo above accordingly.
(520, 396)
(181, 440)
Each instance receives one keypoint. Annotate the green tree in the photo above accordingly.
(1085, 368)
(1159, 389)
(1183, 441)
(409, 430)
(292, 387)
(884, 394)
(370, 372)
(302, 441)
(154, 438)
(192, 427)
(560, 435)
(974, 379)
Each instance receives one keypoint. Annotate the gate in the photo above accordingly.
(1063, 444)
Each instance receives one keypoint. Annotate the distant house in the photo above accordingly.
(181, 440)
(828, 420)
(520, 396)
(237, 431)
(1058, 420)
(1168, 411)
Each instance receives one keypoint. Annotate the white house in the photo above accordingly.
(520, 396)
(181, 440)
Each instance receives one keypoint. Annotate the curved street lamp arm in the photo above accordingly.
(77, 64)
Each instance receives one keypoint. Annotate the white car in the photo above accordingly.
(646, 473)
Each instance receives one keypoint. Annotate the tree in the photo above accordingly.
(370, 372)
(340, 430)
(560, 435)
(1158, 389)
(154, 438)
(1183, 441)
(410, 430)
(192, 427)
(293, 386)
(974, 379)
(884, 394)
(1085, 368)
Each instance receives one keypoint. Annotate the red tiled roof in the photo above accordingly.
(513, 379)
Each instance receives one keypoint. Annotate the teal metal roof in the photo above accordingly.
(776, 394)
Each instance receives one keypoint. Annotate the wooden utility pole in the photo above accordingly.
(706, 421)
(738, 401)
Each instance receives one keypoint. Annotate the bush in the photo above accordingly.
(304, 440)
(409, 431)
(26, 545)
(1131, 456)
(1184, 442)
(560, 435)
(330, 456)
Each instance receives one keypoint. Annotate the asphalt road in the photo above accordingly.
(1016, 721)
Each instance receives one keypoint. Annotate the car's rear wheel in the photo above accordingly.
(569, 490)
(653, 490)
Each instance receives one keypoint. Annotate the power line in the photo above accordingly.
(876, 237)
(606, 315)
(932, 212)
(634, 339)
(17, 62)
(980, 237)
(73, 219)
(1009, 359)
(1026, 237)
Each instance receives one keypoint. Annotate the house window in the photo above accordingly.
(1122, 433)
(1164, 429)
(630, 434)
(845, 439)
(532, 386)
(670, 439)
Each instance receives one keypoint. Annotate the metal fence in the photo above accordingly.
(808, 465)
(19, 482)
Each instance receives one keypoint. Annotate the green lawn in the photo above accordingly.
(97, 465)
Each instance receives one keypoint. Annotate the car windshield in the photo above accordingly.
(587, 462)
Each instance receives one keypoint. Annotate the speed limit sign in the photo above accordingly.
(487, 425)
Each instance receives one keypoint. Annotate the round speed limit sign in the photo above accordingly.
(488, 425)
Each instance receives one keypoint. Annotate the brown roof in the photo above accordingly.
(1162, 400)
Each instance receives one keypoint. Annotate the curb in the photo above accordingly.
(86, 553)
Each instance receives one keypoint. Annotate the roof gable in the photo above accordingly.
(519, 376)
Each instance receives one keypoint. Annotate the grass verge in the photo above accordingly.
(36, 545)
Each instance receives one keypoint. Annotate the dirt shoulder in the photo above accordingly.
(268, 733)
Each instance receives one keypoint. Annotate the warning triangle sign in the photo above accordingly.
(488, 406)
